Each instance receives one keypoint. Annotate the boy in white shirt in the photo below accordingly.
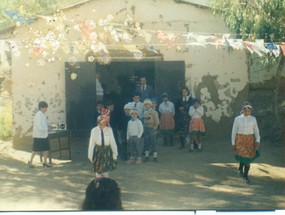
(134, 134)
(137, 104)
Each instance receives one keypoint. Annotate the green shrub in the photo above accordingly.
(6, 122)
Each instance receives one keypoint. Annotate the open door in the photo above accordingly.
(80, 89)
(169, 78)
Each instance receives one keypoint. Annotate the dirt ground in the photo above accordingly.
(179, 181)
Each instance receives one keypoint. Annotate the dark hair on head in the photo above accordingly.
(42, 104)
(185, 88)
(136, 94)
(100, 103)
(109, 102)
(102, 194)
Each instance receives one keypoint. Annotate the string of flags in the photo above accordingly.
(95, 38)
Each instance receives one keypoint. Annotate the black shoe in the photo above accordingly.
(191, 150)
(155, 160)
(246, 180)
(47, 165)
(182, 147)
(240, 173)
(146, 159)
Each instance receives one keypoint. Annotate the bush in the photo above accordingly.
(6, 122)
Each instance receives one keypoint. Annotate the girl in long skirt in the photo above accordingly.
(167, 124)
(245, 140)
(196, 127)
(102, 151)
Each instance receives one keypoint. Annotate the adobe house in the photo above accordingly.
(174, 51)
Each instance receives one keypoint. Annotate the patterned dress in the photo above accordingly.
(197, 126)
(103, 159)
(102, 151)
(167, 111)
(245, 134)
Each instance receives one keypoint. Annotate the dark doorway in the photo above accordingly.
(119, 80)
(80, 97)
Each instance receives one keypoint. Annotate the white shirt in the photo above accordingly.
(196, 113)
(166, 107)
(95, 139)
(99, 88)
(185, 99)
(135, 128)
(40, 128)
(245, 125)
(139, 106)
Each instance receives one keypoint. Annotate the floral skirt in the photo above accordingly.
(167, 123)
(245, 148)
(103, 159)
(197, 127)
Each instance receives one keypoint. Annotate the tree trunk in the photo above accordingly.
(277, 129)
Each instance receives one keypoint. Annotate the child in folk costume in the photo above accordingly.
(134, 134)
(196, 127)
(245, 140)
(102, 150)
(151, 123)
(167, 125)
(113, 122)
(183, 119)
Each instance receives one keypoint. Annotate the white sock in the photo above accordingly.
(146, 153)
(200, 146)
(155, 154)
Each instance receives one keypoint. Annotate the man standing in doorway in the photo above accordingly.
(144, 90)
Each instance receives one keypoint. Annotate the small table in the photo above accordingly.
(58, 134)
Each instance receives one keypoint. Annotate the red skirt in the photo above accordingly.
(167, 121)
(197, 127)
(245, 148)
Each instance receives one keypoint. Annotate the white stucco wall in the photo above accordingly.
(260, 73)
(33, 83)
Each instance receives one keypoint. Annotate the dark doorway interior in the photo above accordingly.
(119, 80)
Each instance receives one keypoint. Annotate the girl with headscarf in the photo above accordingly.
(245, 140)
(102, 150)
(167, 124)
(196, 127)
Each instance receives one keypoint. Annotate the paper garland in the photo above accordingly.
(83, 36)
